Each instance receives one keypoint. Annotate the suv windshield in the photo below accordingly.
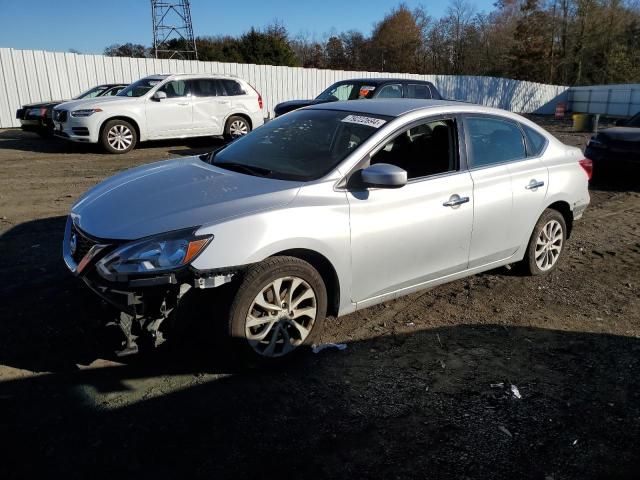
(348, 91)
(140, 87)
(302, 145)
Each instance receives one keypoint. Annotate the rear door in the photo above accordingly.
(210, 106)
(171, 116)
(530, 180)
(492, 143)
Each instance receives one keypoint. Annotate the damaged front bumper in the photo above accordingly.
(144, 301)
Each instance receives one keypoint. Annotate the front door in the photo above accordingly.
(172, 116)
(405, 237)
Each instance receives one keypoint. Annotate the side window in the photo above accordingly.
(175, 89)
(390, 91)
(232, 88)
(342, 92)
(423, 150)
(204, 87)
(493, 141)
(535, 141)
(111, 92)
(415, 90)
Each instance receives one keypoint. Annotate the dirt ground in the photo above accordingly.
(424, 389)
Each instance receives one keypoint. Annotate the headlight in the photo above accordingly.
(154, 255)
(87, 112)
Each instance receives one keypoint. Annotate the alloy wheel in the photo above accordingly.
(281, 316)
(238, 128)
(549, 245)
(120, 137)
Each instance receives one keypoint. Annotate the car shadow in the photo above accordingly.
(16, 139)
(399, 405)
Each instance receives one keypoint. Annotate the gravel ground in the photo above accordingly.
(494, 376)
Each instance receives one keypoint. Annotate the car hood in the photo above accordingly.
(174, 194)
(94, 102)
(50, 103)
(627, 134)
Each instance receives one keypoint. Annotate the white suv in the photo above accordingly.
(162, 106)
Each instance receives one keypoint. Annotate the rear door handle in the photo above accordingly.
(455, 200)
(533, 184)
(223, 102)
(183, 103)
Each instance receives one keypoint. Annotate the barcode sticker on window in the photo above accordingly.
(361, 120)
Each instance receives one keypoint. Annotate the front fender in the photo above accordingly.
(311, 222)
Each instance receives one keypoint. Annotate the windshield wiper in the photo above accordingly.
(253, 170)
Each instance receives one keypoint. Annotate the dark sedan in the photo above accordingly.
(616, 151)
(37, 117)
(360, 88)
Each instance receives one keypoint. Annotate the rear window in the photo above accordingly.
(231, 87)
(415, 90)
(535, 141)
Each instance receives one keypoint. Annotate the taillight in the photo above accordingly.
(587, 166)
(259, 96)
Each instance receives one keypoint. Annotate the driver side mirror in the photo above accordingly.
(159, 96)
(621, 122)
(383, 175)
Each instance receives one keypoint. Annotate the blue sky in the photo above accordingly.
(89, 25)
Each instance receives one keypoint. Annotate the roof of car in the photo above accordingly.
(384, 80)
(392, 108)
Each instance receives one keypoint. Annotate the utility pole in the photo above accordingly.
(173, 30)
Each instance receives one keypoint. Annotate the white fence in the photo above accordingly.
(613, 100)
(34, 75)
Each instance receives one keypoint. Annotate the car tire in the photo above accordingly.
(266, 334)
(118, 136)
(236, 127)
(546, 244)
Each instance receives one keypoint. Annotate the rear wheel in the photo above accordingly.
(236, 127)
(546, 244)
(118, 136)
(278, 308)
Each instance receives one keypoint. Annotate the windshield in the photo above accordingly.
(94, 92)
(302, 145)
(634, 121)
(139, 88)
(347, 91)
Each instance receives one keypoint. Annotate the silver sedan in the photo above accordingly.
(324, 211)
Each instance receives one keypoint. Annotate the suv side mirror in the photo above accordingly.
(159, 96)
(383, 175)
(621, 122)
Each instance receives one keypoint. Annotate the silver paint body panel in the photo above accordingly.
(382, 243)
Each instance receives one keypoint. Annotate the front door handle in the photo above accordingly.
(533, 184)
(455, 201)
(183, 103)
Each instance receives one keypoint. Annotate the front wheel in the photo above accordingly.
(278, 308)
(546, 244)
(118, 136)
(236, 127)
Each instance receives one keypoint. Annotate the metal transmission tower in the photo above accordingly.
(173, 30)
